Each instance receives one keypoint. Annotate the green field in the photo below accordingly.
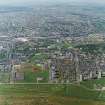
(91, 83)
(48, 94)
(31, 77)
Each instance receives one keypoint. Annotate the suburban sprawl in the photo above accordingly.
(52, 54)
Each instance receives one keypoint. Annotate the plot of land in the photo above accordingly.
(47, 94)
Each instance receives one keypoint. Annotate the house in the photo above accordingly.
(64, 69)
(75, 67)
(16, 73)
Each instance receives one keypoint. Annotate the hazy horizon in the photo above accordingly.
(32, 2)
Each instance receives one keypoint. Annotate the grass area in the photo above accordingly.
(4, 77)
(48, 89)
(32, 72)
(51, 100)
(38, 56)
(31, 77)
(91, 83)
(81, 92)
(47, 94)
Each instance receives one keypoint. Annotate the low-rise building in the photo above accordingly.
(74, 67)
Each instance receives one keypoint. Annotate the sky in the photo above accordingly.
(20, 2)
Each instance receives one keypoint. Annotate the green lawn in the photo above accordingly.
(31, 77)
(47, 94)
(4, 77)
(91, 83)
(49, 89)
